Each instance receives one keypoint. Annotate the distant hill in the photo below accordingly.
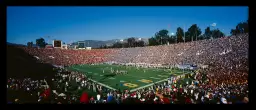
(90, 43)
(97, 43)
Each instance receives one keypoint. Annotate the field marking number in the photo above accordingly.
(130, 85)
(145, 81)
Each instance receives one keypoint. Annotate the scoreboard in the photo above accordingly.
(57, 43)
(81, 44)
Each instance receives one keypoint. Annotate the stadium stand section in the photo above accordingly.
(226, 76)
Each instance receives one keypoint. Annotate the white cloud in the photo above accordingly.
(213, 24)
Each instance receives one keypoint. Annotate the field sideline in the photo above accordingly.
(136, 78)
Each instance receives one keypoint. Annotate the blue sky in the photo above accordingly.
(68, 24)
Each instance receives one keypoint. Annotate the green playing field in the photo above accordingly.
(135, 79)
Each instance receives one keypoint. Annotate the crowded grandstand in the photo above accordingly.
(206, 71)
(127, 55)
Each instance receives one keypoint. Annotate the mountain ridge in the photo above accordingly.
(98, 43)
(92, 43)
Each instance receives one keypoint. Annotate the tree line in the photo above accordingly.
(242, 27)
(162, 37)
(193, 33)
(40, 42)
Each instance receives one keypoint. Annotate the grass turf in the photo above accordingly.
(136, 77)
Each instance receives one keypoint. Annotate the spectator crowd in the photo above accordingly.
(223, 82)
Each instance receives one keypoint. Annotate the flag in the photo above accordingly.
(84, 98)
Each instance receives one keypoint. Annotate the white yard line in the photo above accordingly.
(98, 82)
(130, 76)
(102, 84)
(148, 85)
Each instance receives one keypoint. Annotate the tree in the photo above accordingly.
(152, 41)
(162, 36)
(207, 33)
(140, 43)
(193, 32)
(217, 33)
(179, 34)
(126, 45)
(105, 46)
(117, 45)
(201, 37)
(233, 32)
(30, 44)
(131, 42)
(172, 39)
(241, 27)
(187, 37)
(40, 42)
